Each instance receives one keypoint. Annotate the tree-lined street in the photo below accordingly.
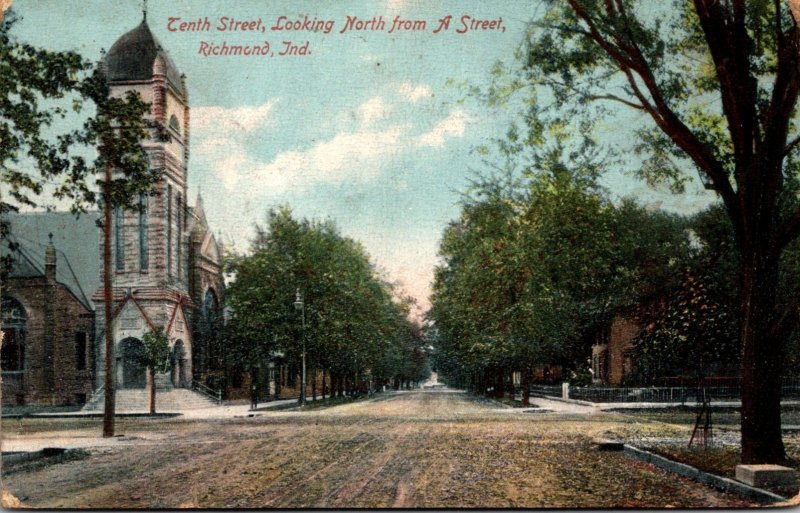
(548, 277)
(424, 448)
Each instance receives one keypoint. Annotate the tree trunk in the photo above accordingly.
(152, 375)
(323, 384)
(314, 385)
(526, 385)
(511, 390)
(762, 441)
(108, 407)
(500, 379)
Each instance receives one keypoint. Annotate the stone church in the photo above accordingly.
(167, 270)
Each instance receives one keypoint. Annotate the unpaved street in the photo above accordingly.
(412, 449)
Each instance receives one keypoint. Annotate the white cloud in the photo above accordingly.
(350, 155)
(227, 157)
(358, 153)
(245, 119)
(373, 110)
(452, 126)
(230, 169)
(221, 132)
(415, 92)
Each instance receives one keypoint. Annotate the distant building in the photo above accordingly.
(613, 356)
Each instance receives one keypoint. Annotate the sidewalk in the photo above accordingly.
(559, 405)
(31, 444)
(218, 411)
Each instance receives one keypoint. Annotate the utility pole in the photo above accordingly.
(299, 304)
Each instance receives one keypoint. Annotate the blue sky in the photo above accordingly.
(365, 130)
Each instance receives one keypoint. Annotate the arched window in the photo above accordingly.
(15, 327)
(144, 244)
(206, 359)
(210, 306)
(169, 231)
(179, 241)
(174, 123)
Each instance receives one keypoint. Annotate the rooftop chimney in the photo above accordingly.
(50, 260)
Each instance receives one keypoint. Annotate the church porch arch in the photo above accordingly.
(131, 373)
(180, 374)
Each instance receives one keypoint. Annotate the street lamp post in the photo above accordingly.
(300, 305)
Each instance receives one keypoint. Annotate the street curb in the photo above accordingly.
(279, 405)
(721, 483)
(22, 456)
(97, 415)
(498, 403)
(562, 400)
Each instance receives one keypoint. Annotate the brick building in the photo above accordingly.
(206, 288)
(48, 328)
(167, 270)
(612, 358)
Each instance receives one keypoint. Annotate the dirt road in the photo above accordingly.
(413, 449)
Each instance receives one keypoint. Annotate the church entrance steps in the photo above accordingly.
(138, 400)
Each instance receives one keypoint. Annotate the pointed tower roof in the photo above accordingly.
(199, 214)
(198, 202)
(132, 56)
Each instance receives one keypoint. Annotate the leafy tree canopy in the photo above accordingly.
(710, 87)
(353, 323)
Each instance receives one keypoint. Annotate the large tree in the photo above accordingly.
(117, 130)
(35, 88)
(535, 269)
(354, 324)
(716, 85)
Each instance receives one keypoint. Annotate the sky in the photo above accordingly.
(367, 128)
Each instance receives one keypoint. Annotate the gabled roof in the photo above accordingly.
(198, 227)
(77, 245)
(210, 249)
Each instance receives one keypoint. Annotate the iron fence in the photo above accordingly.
(541, 390)
(673, 394)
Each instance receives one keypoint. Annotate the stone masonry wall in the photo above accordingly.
(52, 377)
(620, 342)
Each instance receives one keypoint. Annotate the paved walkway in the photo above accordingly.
(588, 407)
(39, 443)
(221, 411)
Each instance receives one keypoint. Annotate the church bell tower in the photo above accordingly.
(150, 245)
